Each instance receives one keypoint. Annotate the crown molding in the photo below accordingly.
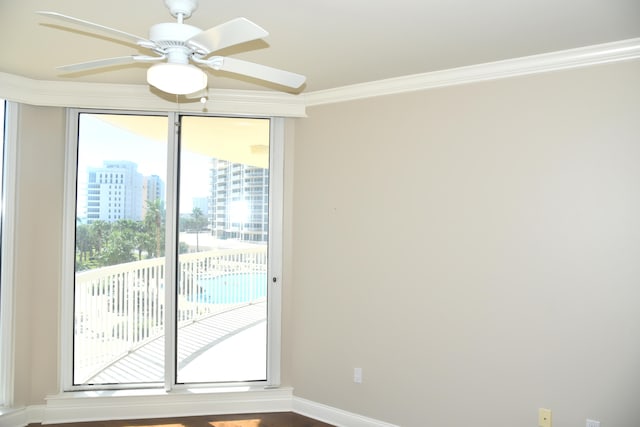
(140, 97)
(554, 61)
(248, 102)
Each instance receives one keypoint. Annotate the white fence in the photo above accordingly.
(121, 307)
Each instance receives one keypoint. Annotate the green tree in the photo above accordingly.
(135, 230)
(198, 220)
(120, 246)
(196, 223)
(154, 227)
(121, 243)
(103, 243)
(98, 235)
(83, 246)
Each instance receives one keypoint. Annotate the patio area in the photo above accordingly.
(228, 346)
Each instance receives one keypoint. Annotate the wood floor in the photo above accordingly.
(275, 419)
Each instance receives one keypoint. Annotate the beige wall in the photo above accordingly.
(475, 249)
(40, 177)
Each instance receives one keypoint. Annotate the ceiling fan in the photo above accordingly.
(180, 50)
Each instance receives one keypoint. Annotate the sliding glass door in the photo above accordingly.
(170, 268)
(119, 249)
(224, 232)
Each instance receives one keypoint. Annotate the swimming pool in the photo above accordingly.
(231, 288)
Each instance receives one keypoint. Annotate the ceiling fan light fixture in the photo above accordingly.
(177, 45)
(178, 79)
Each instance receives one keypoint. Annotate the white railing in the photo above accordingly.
(121, 307)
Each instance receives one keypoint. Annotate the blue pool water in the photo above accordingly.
(232, 288)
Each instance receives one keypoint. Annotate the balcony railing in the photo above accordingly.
(121, 307)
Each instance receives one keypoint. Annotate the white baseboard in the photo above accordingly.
(121, 405)
(334, 416)
(13, 417)
(18, 417)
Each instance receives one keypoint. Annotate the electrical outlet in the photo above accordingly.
(593, 423)
(357, 375)
(544, 417)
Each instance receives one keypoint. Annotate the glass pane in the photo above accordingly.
(120, 238)
(222, 261)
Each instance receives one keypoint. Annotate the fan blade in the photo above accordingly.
(262, 72)
(99, 63)
(97, 27)
(236, 31)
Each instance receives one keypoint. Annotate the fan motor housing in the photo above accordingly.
(172, 32)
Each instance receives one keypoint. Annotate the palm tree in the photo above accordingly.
(99, 233)
(197, 223)
(83, 245)
(120, 246)
(153, 222)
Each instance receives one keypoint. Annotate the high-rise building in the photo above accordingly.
(118, 191)
(152, 189)
(239, 203)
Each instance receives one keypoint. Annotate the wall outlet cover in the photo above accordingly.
(357, 375)
(544, 417)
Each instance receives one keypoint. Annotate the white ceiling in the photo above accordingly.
(334, 43)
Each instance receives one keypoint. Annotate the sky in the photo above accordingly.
(100, 141)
